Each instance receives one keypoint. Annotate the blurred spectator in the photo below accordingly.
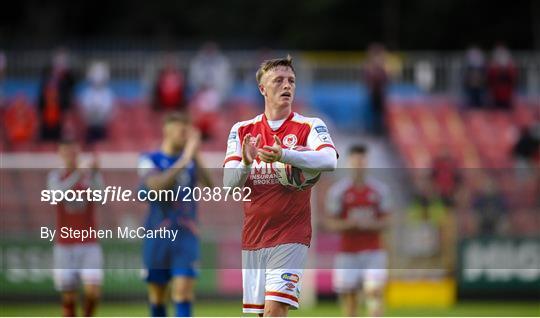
(376, 79)
(445, 176)
(474, 79)
(204, 109)
(3, 64)
(424, 75)
(55, 95)
(169, 91)
(491, 208)
(527, 148)
(97, 102)
(20, 122)
(210, 69)
(502, 78)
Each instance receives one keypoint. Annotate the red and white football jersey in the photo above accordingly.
(276, 215)
(359, 204)
(78, 215)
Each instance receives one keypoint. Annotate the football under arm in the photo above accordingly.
(322, 160)
(235, 174)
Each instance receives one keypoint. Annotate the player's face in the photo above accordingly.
(69, 154)
(357, 161)
(278, 86)
(176, 133)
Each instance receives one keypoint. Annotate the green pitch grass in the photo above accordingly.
(325, 308)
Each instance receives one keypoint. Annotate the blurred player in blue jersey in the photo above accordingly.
(176, 164)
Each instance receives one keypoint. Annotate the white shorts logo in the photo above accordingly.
(290, 140)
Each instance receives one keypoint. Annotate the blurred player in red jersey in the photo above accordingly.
(358, 209)
(76, 260)
(277, 221)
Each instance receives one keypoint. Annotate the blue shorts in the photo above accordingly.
(163, 276)
(165, 259)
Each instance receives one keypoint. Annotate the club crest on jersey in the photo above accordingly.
(290, 140)
(290, 277)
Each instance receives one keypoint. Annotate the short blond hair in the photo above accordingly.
(268, 65)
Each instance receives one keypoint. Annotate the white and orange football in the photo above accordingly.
(295, 178)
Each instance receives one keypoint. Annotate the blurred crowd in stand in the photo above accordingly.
(82, 106)
(490, 84)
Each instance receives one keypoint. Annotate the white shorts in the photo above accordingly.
(272, 274)
(74, 263)
(352, 271)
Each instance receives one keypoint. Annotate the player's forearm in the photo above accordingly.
(322, 160)
(383, 224)
(339, 225)
(377, 225)
(235, 174)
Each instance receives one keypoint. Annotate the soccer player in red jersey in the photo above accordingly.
(76, 260)
(277, 221)
(358, 209)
